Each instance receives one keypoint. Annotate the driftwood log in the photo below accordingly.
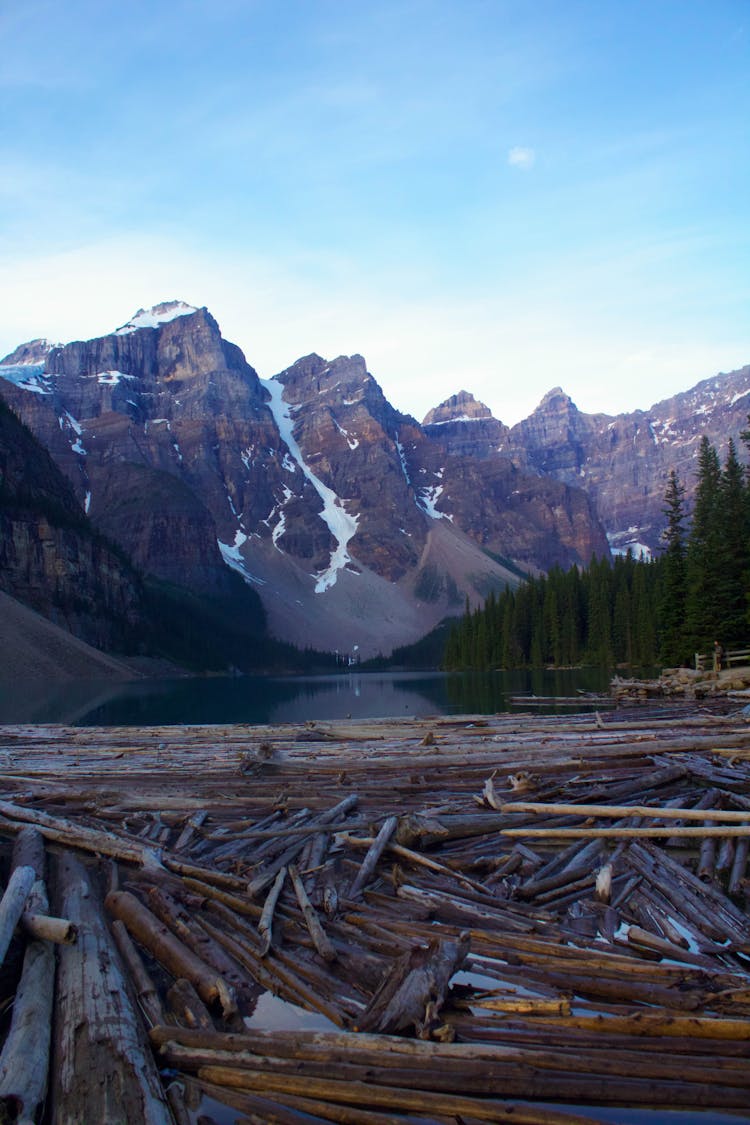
(103, 1069)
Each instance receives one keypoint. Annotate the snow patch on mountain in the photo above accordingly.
(111, 378)
(341, 525)
(428, 498)
(402, 459)
(154, 317)
(232, 556)
(27, 376)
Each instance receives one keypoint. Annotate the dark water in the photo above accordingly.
(255, 699)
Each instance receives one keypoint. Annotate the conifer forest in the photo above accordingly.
(632, 611)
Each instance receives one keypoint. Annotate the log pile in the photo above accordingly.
(518, 918)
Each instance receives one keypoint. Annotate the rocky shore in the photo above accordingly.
(687, 683)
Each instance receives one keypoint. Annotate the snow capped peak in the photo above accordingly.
(153, 317)
(31, 354)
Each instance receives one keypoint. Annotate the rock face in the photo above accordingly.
(357, 526)
(623, 462)
(49, 557)
(32, 353)
(465, 427)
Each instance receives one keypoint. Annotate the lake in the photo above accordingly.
(259, 699)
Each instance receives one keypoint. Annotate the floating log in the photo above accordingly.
(24, 1063)
(154, 936)
(103, 1069)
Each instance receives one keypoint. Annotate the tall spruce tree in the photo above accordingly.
(701, 621)
(732, 552)
(673, 649)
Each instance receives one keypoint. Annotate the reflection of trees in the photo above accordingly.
(251, 699)
(484, 693)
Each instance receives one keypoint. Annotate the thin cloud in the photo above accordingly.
(520, 157)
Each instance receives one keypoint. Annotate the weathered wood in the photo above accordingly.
(188, 1007)
(158, 939)
(145, 989)
(191, 826)
(667, 944)
(265, 924)
(413, 993)
(65, 831)
(644, 832)
(24, 1063)
(317, 933)
(12, 904)
(260, 881)
(370, 862)
(103, 1068)
(725, 816)
(739, 865)
(61, 931)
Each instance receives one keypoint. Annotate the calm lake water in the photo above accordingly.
(256, 699)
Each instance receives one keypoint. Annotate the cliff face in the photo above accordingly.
(49, 557)
(512, 511)
(623, 462)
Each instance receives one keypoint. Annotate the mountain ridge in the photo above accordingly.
(355, 524)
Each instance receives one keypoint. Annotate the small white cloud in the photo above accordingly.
(519, 157)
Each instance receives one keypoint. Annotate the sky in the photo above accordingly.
(501, 196)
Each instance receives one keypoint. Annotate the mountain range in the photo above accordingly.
(354, 526)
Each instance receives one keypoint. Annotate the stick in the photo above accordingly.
(265, 925)
(317, 933)
(618, 811)
(370, 861)
(628, 833)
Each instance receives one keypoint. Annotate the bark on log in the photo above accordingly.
(65, 831)
(103, 1068)
(173, 954)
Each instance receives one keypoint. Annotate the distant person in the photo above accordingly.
(718, 656)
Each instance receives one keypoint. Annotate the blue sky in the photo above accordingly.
(498, 196)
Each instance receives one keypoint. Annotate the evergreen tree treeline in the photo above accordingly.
(631, 611)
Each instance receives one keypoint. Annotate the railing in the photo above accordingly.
(728, 658)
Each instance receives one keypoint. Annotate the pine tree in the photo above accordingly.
(702, 550)
(673, 649)
(732, 553)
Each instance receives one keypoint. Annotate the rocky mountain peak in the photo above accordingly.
(557, 400)
(313, 376)
(31, 354)
(156, 316)
(462, 407)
